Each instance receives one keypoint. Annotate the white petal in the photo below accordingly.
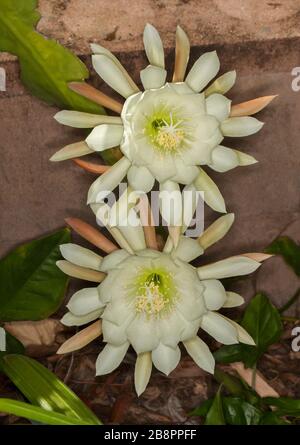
(171, 327)
(142, 372)
(85, 301)
(110, 358)
(140, 178)
(71, 151)
(223, 159)
(219, 328)
(231, 267)
(105, 136)
(70, 319)
(245, 159)
(79, 119)
(203, 70)
(190, 307)
(80, 256)
(188, 249)
(162, 169)
(2, 339)
(222, 84)
(212, 195)
(117, 311)
(243, 335)
(153, 77)
(135, 236)
(201, 354)
(143, 334)
(153, 46)
(182, 54)
(219, 106)
(185, 173)
(111, 73)
(165, 359)
(214, 294)
(113, 333)
(108, 181)
(216, 231)
(240, 126)
(170, 200)
(233, 300)
(113, 259)
(98, 49)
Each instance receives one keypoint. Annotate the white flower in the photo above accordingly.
(152, 300)
(170, 130)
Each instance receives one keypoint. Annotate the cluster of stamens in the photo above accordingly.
(168, 136)
(152, 297)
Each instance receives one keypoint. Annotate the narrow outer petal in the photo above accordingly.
(153, 46)
(182, 54)
(214, 294)
(142, 372)
(203, 70)
(110, 358)
(140, 178)
(105, 136)
(153, 77)
(85, 301)
(222, 84)
(70, 319)
(219, 328)
(212, 195)
(223, 159)
(240, 126)
(231, 267)
(200, 353)
(216, 231)
(80, 256)
(233, 300)
(77, 119)
(171, 203)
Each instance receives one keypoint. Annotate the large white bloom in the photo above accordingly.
(170, 130)
(152, 300)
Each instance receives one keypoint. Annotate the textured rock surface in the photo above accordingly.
(260, 39)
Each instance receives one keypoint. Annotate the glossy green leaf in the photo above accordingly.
(203, 409)
(239, 412)
(262, 321)
(215, 415)
(42, 388)
(289, 250)
(46, 66)
(271, 418)
(37, 414)
(284, 405)
(31, 285)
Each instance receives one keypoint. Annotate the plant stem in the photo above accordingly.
(291, 301)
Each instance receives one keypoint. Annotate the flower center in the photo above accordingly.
(153, 295)
(166, 132)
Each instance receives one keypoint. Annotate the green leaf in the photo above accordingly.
(262, 321)
(31, 285)
(46, 66)
(285, 405)
(42, 388)
(289, 250)
(271, 418)
(215, 415)
(237, 387)
(203, 409)
(239, 412)
(38, 414)
(13, 346)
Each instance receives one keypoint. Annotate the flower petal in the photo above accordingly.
(212, 195)
(240, 126)
(116, 334)
(203, 70)
(70, 319)
(108, 181)
(222, 84)
(165, 359)
(142, 372)
(219, 328)
(111, 73)
(243, 335)
(216, 231)
(185, 173)
(82, 273)
(71, 151)
(219, 106)
(231, 267)
(79, 119)
(105, 136)
(143, 334)
(182, 54)
(113, 259)
(140, 178)
(110, 358)
(251, 106)
(214, 294)
(80, 256)
(81, 338)
(200, 353)
(188, 249)
(170, 199)
(85, 301)
(245, 159)
(223, 159)
(153, 77)
(233, 300)
(153, 46)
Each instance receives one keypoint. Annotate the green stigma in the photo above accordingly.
(165, 131)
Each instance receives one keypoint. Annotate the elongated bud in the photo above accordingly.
(95, 95)
(216, 231)
(80, 272)
(251, 106)
(82, 338)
